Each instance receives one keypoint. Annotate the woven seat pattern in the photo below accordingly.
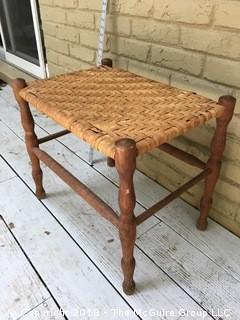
(103, 105)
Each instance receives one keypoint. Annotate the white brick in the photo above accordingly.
(52, 56)
(67, 33)
(228, 189)
(114, 6)
(227, 208)
(189, 11)
(69, 62)
(121, 62)
(149, 71)
(45, 2)
(232, 150)
(118, 25)
(55, 69)
(201, 135)
(135, 7)
(155, 31)
(81, 19)
(53, 14)
(235, 227)
(234, 130)
(90, 4)
(203, 87)
(56, 45)
(90, 39)
(130, 48)
(49, 28)
(231, 172)
(82, 53)
(66, 3)
(223, 71)
(214, 42)
(177, 59)
(237, 110)
(118, 61)
(228, 14)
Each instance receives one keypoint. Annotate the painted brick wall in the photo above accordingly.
(191, 44)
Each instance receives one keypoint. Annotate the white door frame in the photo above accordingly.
(2, 48)
(39, 71)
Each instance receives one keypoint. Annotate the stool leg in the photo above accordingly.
(109, 63)
(30, 136)
(125, 158)
(215, 160)
(91, 156)
(110, 162)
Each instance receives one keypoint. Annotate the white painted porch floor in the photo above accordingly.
(59, 254)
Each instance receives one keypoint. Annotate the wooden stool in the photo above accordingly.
(123, 115)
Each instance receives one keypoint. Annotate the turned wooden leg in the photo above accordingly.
(215, 160)
(125, 159)
(110, 162)
(109, 63)
(30, 136)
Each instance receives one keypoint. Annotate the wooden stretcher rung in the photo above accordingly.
(53, 136)
(182, 155)
(81, 189)
(158, 206)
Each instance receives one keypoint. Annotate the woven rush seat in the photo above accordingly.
(103, 105)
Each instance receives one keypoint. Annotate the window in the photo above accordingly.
(20, 35)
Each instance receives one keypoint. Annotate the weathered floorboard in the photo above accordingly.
(5, 171)
(20, 287)
(71, 277)
(45, 311)
(205, 281)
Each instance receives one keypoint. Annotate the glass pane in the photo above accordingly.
(18, 29)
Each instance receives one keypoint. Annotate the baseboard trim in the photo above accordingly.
(9, 72)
